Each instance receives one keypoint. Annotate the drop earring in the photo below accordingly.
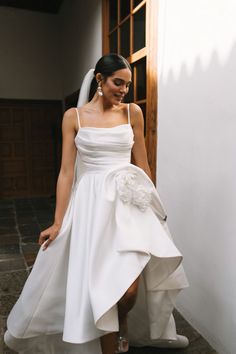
(99, 90)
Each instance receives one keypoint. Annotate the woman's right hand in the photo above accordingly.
(47, 236)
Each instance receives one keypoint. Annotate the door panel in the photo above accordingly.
(29, 147)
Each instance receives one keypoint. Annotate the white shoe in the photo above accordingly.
(179, 342)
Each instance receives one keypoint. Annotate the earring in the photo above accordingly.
(99, 90)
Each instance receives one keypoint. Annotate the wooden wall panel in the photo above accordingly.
(29, 147)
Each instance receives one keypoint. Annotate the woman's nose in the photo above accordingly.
(123, 89)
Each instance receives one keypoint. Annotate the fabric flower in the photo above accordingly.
(131, 191)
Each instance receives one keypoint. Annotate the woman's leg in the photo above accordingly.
(125, 304)
(109, 343)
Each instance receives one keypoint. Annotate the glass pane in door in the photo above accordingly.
(137, 2)
(113, 42)
(141, 79)
(124, 9)
(139, 39)
(113, 14)
(125, 39)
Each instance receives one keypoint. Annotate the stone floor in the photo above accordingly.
(20, 223)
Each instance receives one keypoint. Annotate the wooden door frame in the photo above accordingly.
(152, 75)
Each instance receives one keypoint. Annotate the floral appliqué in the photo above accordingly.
(131, 191)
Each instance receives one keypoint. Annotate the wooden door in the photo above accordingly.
(29, 147)
(130, 29)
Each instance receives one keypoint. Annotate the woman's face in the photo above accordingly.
(115, 87)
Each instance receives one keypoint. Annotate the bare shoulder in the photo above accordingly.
(133, 107)
(70, 113)
(70, 118)
(136, 115)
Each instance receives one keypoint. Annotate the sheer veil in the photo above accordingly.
(85, 88)
(82, 99)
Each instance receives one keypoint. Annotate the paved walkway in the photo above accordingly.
(20, 223)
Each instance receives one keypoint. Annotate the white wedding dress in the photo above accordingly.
(114, 230)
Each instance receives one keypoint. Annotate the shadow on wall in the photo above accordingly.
(196, 179)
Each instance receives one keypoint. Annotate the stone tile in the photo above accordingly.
(9, 239)
(200, 346)
(42, 203)
(43, 209)
(30, 252)
(29, 230)
(9, 244)
(22, 203)
(6, 303)
(30, 259)
(30, 239)
(23, 214)
(7, 350)
(189, 350)
(12, 249)
(2, 330)
(184, 328)
(10, 262)
(7, 213)
(45, 217)
(12, 282)
(31, 247)
(3, 348)
(9, 229)
(26, 219)
(5, 221)
(6, 203)
(26, 209)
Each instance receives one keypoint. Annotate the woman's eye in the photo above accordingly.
(119, 83)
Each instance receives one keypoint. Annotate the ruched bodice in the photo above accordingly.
(103, 148)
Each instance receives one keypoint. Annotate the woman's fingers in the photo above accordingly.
(47, 236)
(43, 236)
(47, 243)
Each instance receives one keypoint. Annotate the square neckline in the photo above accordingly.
(79, 125)
(101, 128)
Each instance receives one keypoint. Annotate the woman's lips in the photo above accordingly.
(119, 96)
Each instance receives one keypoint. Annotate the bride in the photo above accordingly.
(107, 272)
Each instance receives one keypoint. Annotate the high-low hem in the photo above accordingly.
(114, 230)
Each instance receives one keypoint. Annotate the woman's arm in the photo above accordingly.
(139, 153)
(65, 178)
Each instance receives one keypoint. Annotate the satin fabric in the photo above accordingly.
(113, 231)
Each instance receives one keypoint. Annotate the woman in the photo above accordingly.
(108, 246)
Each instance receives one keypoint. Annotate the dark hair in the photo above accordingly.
(107, 65)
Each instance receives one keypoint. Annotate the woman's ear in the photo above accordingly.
(99, 77)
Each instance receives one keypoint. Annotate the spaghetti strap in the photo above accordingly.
(128, 108)
(77, 112)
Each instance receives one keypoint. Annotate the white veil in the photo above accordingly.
(85, 88)
(82, 99)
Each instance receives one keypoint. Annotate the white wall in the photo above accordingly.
(29, 55)
(45, 56)
(196, 156)
(81, 25)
